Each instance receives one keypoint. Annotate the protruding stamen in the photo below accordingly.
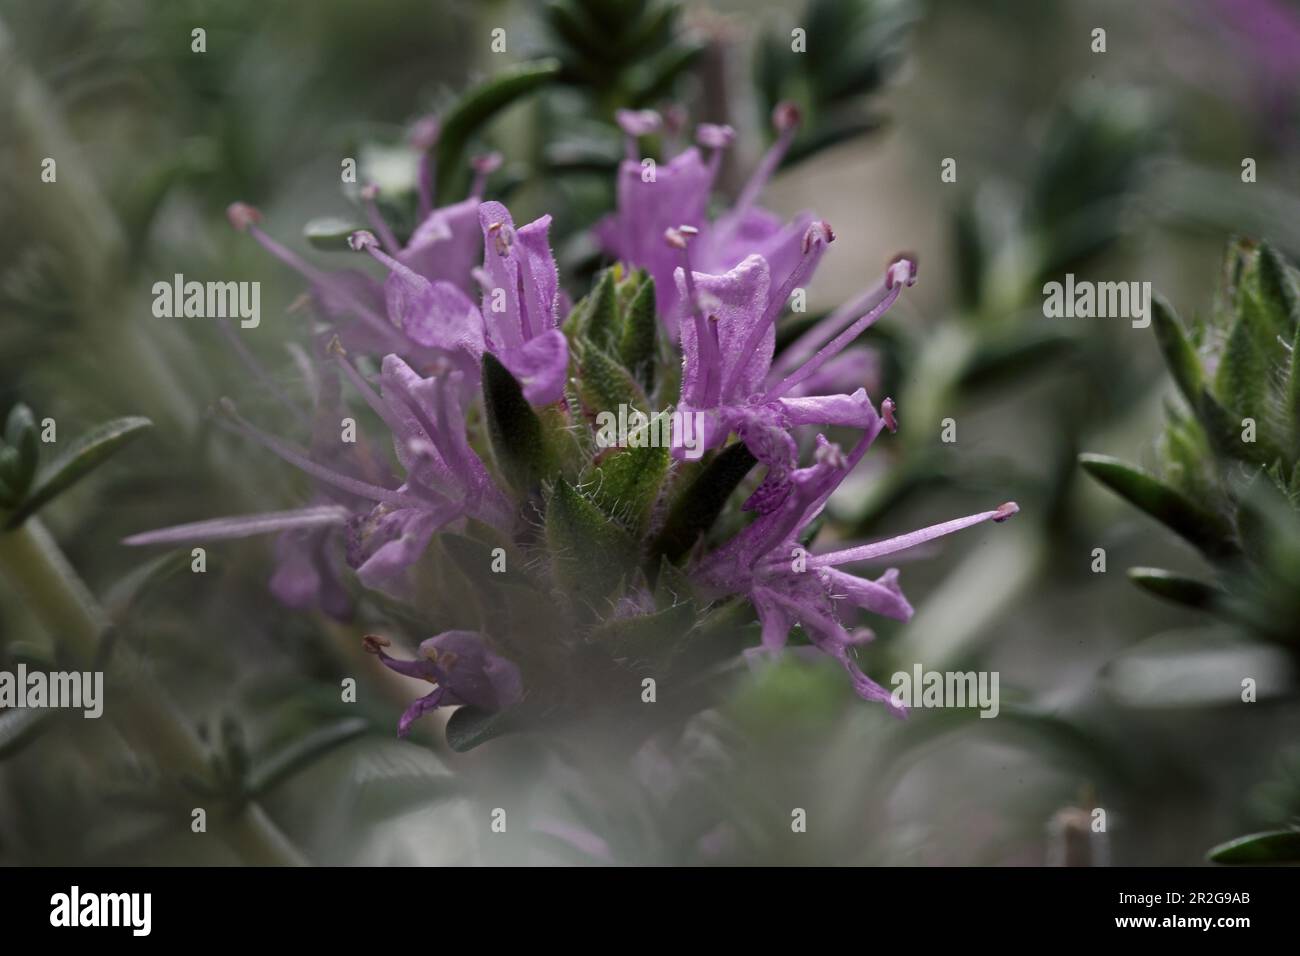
(902, 542)
(830, 454)
(374, 644)
(635, 124)
(370, 193)
(362, 240)
(484, 166)
(819, 232)
(706, 338)
(297, 458)
(502, 238)
(815, 240)
(900, 271)
(243, 216)
(786, 119)
(714, 135)
(716, 139)
(887, 408)
(675, 117)
(424, 137)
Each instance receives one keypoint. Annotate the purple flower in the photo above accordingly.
(387, 529)
(517, 320)
(787, 586)
(442, 251)
(677, 194)
(727, 345)
(462, 671)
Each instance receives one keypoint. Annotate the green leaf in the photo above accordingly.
(1277, 288)
(603, 384)
(590, 554)
(518, 439)
(695, 509)
(21, 438)
(599, 312)
(1180, 356)
(672, 586)
(19, 726)
(628, 483)
(1241, 382)
(478, 106)
(1206, 530)
(636, 346)
(646, 643)
(1275, 846)
(1174, 587)
(394, 779)
(301, 753)
(84, 455)
(330, 232)
(469, 727)
(1293, 395)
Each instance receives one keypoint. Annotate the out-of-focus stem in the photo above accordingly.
(37, 569)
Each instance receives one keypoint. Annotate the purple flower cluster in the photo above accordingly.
(722, 286)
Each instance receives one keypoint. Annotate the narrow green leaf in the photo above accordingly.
(645, 643)
(693, 512)
(330, 232)
(628, 483)
(1177, 588)
(470, 727)
(1277, 287)
(672, 586)
(84, 455)
(516, 433)
(636, 346)
(19, 726)
(1275, 846)
(1206, 530)
(600, 312)
(21, 436)
(1179, 354)
(478, 106)
(590, 554)
(301, 753)
(603, 384)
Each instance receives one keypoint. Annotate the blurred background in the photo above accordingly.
(1121, 165)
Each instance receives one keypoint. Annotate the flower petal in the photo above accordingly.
(541, 366)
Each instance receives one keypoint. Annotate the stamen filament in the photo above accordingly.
(297, 458)
(902, 542)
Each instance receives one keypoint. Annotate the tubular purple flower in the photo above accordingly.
(461, 669)
(339, 294)
(728, 355)
(520, 303)
(676, 193)
(766, 562)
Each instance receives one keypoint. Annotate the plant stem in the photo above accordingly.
(31, 560)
